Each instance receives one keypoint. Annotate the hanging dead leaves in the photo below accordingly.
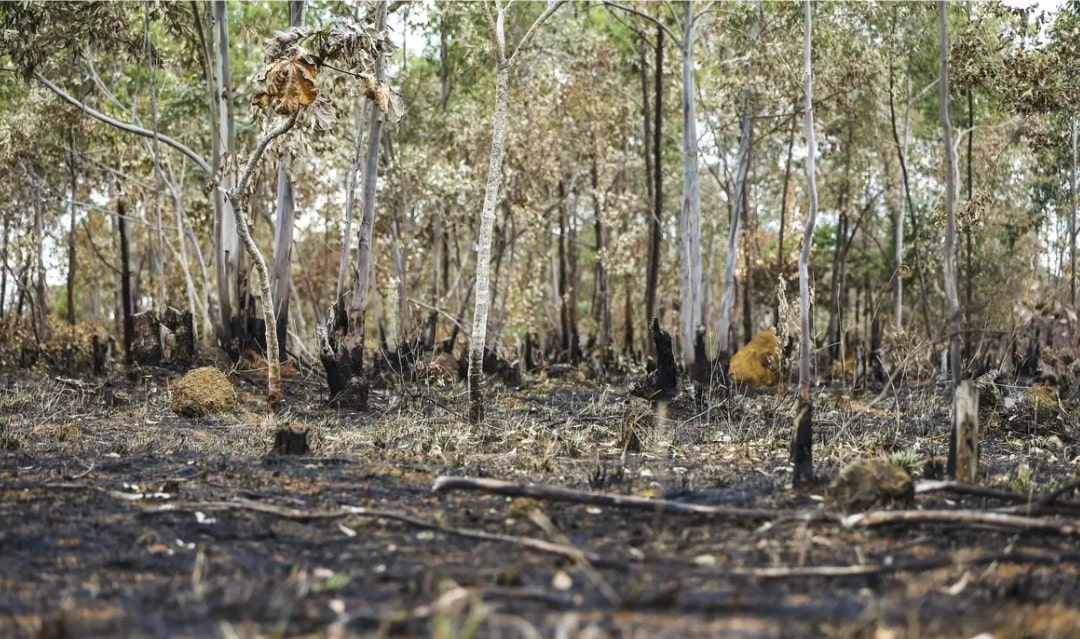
(295, 58)
(290, 86)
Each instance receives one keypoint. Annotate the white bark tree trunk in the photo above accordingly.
(226, 238)
(482, 302)
(362, 290)
(690, 212)
(951, 293)
(478, 336)
(803, 442)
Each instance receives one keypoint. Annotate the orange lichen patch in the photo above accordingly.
(758, 363)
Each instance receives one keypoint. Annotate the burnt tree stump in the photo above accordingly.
(341, 351)
(963, 463)
(178, 344)
(146, 339)
(661, 384)
(292, 440)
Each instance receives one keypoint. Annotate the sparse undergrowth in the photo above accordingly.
(84, 476)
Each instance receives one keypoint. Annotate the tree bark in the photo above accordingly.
(283, 227)
(1072, 217)
(655, 229)
(950, 203)
(487, 222)
(802, 446)
(71, 236)
(362, 290)
(901, 151)
(227, 260)
(727, 298)
(125, 283)
(690, 211)
(503, 64)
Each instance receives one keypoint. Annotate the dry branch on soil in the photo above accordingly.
(972, 518)
(630, 502)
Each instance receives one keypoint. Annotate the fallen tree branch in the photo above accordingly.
(1027, 504)
(555, 493)
(295, 514)
(962, 518)
(918, 565)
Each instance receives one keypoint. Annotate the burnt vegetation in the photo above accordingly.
(310, 330)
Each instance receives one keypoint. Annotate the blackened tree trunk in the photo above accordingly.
(71, 235)
(125, 283)
(655, 228)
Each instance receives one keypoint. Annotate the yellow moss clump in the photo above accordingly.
(758, 363)
(203, 391)
(868, 484)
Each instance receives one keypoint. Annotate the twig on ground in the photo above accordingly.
(919, 565)
(295, 514)
(555, 493)
(971, 518)
(1025, 503)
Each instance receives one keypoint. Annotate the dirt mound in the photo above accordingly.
(867, 484)
(203, 391)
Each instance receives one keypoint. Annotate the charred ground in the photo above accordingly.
(121, 519)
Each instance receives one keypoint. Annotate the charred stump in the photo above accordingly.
(178, 336)
(659, 385)
(126, 301)
(292, 440)
(802, 454)
(341, 351)
(101, 353)
(963, 461)
(146, 347)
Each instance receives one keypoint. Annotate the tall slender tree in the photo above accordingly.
(495, 15)
(802, 446)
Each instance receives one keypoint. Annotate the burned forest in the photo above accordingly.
(529, 319)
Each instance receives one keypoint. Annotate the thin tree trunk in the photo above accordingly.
(283, 231)
(361, 292)
(690, 211)
(1072, 217)
(4, 271)
(901, 151)
(226, 237)
(41, 287)
(361, 113)
(968, 306)
(950, 203)
(71, 237)
(487, 223)
(126, 301)
(283, 227)
(655, 229)
(727, 298)
(785, 202)
(158, 265)
(601, 308)
(803, 441)
(503, 64)
(839, 286)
